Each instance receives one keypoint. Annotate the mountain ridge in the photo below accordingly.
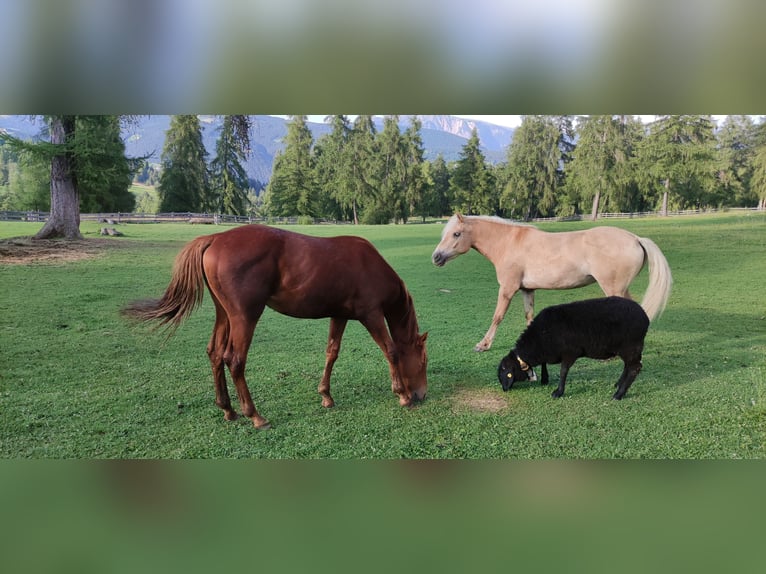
(441, 134)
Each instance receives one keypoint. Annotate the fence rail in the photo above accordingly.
(210, 218)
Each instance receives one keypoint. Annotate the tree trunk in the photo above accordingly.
(594, 210)
(664, 210)
(64, 220)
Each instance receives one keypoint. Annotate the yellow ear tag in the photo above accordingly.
(509, 375)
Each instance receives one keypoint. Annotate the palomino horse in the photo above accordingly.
(526, 258)
(254, 266)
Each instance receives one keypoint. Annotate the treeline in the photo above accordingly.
(555, 166)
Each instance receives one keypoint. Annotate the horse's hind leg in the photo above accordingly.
(337, 327)
(215, 351)
(240, 337)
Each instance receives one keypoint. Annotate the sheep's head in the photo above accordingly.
(512, 369)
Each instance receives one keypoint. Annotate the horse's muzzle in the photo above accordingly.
(439, 258)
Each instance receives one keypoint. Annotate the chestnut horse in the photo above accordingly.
(526, 258)
(254, 266)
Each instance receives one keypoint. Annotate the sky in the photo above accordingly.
(507, 121)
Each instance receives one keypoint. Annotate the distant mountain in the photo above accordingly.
(445, 135)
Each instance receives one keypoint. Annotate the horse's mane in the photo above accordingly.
(404, 318)
(495, 219)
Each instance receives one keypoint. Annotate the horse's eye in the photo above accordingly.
(456, 234)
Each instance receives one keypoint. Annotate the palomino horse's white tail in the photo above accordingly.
(660, 280)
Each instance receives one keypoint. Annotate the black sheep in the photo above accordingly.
(595, 328)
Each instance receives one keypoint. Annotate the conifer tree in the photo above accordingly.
(599, 172)
(80, 150)
(228, 178)
(470, 183)
(416, 188)
(291, 190)
(389, 202)
(184, 182)
(736, 149)
(104, 174)
(362, 150)
(679, 155)
(334, 170)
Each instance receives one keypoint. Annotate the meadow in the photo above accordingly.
(79, 381)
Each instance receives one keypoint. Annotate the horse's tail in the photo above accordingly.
(183, 294)
(660, 280)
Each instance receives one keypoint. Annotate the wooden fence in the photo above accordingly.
(209, 218)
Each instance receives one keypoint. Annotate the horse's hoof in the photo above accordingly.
(481, 347)
(262, 425)
(328, 403)
(230, 416)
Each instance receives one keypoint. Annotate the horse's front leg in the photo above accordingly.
(337, 327)
(503, 300)
(376, 326)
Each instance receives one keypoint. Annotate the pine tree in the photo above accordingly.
(390, 174)
(600, 171)
(103, 173)
(228, 178)
(184, 182)
(533, 177)
(82, 151)
(362, 151)
(440, 178)
(470, 182)
(736, 150)
(334, 170)
(679, 154)
(416, 187)
(291, 190)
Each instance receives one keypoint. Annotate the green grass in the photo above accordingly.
(77, 381)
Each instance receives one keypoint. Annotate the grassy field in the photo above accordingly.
(77, 381)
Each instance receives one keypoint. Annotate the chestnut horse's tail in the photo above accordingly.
(660, 280)
(183, 294)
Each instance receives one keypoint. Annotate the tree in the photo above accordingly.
(103, 172)
(736, 150)
(228, 178)
(390, 173)
(334, 169)
(416, 187)
(600, 170)
(64, 219)
(470, 182)
(362, 149)
(184, 182)
(25, 181)
(679, 154)
(291, 190)
(534, 156)
(440, 182)
(86, 157)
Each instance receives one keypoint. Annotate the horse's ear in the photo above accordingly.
(459, 217)
(423, 337)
